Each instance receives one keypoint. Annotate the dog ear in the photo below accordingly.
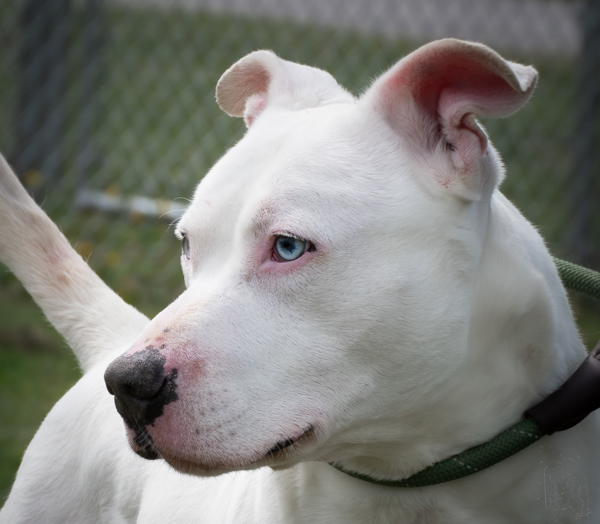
(262, 79)
(433, 96)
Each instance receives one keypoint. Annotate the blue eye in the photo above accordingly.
(287, 249)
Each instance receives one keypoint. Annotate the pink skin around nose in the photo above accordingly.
(183, 362)
(165, 335)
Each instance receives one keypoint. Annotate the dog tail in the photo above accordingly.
(86, 312)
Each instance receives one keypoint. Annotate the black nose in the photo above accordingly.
(140, 386)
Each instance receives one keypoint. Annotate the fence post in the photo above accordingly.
(585, 204)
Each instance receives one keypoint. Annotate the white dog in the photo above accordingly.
(358, 292)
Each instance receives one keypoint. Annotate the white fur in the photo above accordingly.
(427, 319)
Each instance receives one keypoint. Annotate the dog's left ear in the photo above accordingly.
(262, 80)
(432, 97)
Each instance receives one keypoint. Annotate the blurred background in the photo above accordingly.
(107, 114)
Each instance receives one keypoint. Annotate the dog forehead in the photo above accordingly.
(283, 155)
(335, 165)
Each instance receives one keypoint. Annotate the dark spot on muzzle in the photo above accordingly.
(142, 389)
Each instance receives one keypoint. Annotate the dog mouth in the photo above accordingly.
(142, 444)
(279, 453)
(277, 450)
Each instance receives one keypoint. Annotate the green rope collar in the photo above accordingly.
(528, 430)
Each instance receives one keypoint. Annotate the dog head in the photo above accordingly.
(330, 260)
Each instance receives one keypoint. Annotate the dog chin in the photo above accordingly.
(283, 454)
(283, 460)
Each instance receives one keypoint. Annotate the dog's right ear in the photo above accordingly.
(262, 80)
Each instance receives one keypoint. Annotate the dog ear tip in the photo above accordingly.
(527, 76)
(250, 74)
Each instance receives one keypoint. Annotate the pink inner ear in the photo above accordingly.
(469, 79)
(455, 88)
(433, 96)
(456, 111)
(248, 77)
(254, 107)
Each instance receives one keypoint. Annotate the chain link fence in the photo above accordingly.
(107, 108)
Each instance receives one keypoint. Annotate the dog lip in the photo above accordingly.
(148, 453)
(281, 445)
(194, 467)
(143, 445)
(286, 443)
(141, 442)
